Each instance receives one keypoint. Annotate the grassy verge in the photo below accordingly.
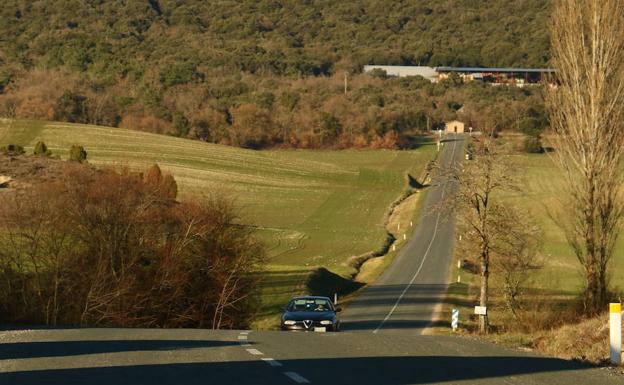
(401, 225)
(554, 289)
(312, 208)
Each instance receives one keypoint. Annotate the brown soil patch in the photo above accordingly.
(25, 171)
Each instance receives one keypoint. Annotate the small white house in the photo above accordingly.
(455, 127)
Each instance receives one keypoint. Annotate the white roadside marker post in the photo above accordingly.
(615, 328)
(335, 298)
(455, 319)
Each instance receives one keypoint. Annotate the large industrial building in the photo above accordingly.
(511, 76)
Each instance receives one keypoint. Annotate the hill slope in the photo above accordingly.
(281, 37)
(313, 208)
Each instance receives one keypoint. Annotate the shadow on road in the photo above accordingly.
(395, 370)
(415, 310)
(371, 325)
(74, 348)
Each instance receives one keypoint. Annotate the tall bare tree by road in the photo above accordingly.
(484, 219)
(587, 112)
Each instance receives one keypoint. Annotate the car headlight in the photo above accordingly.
(289, 322)
(326, 322)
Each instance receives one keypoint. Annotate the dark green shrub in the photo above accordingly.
(41, 149)
(533, 145)
(13, 149)
(378, 73)
(330, 127)
(289, 100)
(181, 124)
(180, 72)
(77, 154)
(266, 100)
(71, 107)
(530, 126)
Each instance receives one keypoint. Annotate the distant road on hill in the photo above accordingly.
(406, 295)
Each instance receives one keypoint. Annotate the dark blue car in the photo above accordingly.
(311, 313)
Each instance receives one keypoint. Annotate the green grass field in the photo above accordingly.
(544, 187)
(312, 208)
(561, 277)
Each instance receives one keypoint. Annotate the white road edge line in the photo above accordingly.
(422, 263)
(255, 352)
(296, 377)
(271, 361)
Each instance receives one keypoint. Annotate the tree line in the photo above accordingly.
(258, 73)
(250, 111)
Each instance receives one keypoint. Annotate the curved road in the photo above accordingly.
(382, 343)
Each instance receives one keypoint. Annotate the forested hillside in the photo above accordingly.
(253, 73)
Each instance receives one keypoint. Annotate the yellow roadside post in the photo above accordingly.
(615, 328)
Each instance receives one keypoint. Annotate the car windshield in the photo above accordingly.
(310, 304)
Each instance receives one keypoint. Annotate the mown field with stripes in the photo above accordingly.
(312, 208)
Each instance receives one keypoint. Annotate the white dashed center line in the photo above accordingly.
(272, 362)
(296, 377)
(424, 258)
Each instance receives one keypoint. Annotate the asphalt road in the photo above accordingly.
(194, 357)
(381, 344)
(406, 295)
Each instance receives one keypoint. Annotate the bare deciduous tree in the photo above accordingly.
(587, 112)
(102, 247)
(516, 256)
(480, 211)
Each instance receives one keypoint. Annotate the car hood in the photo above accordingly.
(309, 315)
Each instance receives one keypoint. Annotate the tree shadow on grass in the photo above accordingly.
(277, 284)
(414, 142)
(414, 183)
(325, 283)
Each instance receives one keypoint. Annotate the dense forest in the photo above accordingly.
(261, 73)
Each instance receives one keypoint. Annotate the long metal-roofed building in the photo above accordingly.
(511, 76)
(514, 76)
(428, 73)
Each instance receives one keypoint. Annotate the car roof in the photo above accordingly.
(310, 297)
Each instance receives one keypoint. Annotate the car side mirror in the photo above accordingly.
(338, 309)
